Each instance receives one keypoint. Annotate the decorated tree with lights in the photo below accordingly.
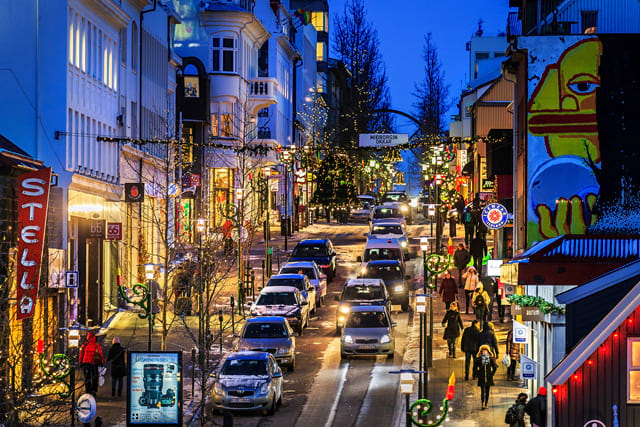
(336, 182)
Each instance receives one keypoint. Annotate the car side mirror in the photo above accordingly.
(366, 234)
(213, 374)
(359, 259)
(394, 324)
(304, 303)
(336, 298)
(277, 374)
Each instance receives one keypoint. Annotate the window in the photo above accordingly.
(480, 56)
(263, 60)
(191, 82)
(134, 119)
(134, 47)
(320, 21)
(224, 54)
(589, 21)
(123, 46)
(321, 51)
(633, 368)
(222, 120)
(321, 83)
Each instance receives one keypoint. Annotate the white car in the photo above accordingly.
(363, 211)
(390, 230)
(388, 213)
(313, 273)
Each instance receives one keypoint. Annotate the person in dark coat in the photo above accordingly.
(513, 350)
(479, 302)
(448, 289)
(521, 401)
(485, 368)
(488, 338)
(460, 208)
(467, 220)
(117, 358)
(478, 249)
(470, 344)
(461, 258)
(91, 358)
(536, 408)
(453, 327)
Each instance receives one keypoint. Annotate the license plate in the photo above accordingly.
(239, 399)
(367, 347)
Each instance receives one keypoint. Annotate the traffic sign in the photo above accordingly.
(71, 279)
(494, 216)
(114, 231)
(86, 408)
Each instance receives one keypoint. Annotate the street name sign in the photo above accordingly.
(382, 140)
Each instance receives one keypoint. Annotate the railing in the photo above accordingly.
(264, 133)
(262, 87)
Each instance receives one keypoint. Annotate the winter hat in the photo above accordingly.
(483, 347)
(542, 391)
(480, 287)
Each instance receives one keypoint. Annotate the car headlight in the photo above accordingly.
(403, 244)
(404, 208)
(264, 388)
(385, 339)
(344, 309)
(217, 388)
(398, 288)
(283, 350)
(348, 339)
(341, 320)
(363, 270)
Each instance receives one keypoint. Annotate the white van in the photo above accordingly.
(377, 249)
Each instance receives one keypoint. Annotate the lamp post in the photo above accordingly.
(286, 157)
(267, 224)
(421, 309)
(73, 343)
(201, 226)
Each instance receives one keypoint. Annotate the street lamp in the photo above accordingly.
(73, 344)
(267, 223)
(286, 158)
(406, 388)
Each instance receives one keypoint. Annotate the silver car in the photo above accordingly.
(313, 273)
(248, 381)
(367, 331)
(272, 335)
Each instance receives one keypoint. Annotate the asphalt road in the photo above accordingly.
(323, 390)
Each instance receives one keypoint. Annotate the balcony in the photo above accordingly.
(262, 93)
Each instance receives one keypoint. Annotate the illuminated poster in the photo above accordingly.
(583, 122)
(155, 388)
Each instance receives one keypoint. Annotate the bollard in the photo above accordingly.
(193, 372)
(233, 319)
(220, 318)
(253, 284)
(264, 270)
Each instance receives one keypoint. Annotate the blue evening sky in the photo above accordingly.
(401, 28)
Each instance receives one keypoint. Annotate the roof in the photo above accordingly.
(384, 262)
(357, 308)
(276, 289)
(312, 242)
(13, 156)
(248, 355)
(382, 243)
(590, 343)
(388, 223)
(364, 282)
(288, 276)
(366, 196)
(266, 319)
(600, 283)
(299, 264)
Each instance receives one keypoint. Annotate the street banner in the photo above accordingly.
(155, 388)
(520, 335)
(33, 200)
(528, 368)
(382, 140)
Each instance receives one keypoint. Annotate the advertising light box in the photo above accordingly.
(155, 388)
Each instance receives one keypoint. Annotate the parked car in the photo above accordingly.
(393, 274)
(390, 230)
(310, 269)
(360, 292)
(299, 281)
(387, 213)
(402, 200)
(362, 212)
(284, 301)
(271, 335)
(247, 381)
(367, 331)
(319, 250)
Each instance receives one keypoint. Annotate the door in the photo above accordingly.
(93, 281)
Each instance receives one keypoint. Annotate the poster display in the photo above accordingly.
(155, 388)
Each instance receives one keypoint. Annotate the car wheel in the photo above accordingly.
(390, 355)
(405, 306)
(300, 328)
(272, 409)
(279, 402)
(338, 330)
(319, 302)
(344, 356)
(292, 367)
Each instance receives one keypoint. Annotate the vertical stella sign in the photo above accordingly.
(33, 199)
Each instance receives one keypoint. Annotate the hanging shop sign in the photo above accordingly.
(195, 180)
(520, 335)
(33, 200)
(301, 176)
(71, 279)
(155, 388)
(532, 314)
(528, 368)
(493, 267)
(96, 229)
(186, 180)
(382, 139)
(133, 192)
(495, 216)
(114, 231)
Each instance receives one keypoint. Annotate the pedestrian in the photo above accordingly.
(479, 301)
(452, 223)
(536, 408)
(448, 289)
(478, 249)
(117, 358)
(515, 414)
(91, 358)
(470, 283)
(494, 285)
(488, 338)
(460, 208)
(461, 258)
(467, 220)
(487, 284)
(469, 344)
(486, 367)
(513, 350)
(453, 327)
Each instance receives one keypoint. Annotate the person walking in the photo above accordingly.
(453, 327)
(470, 283)
(452, 217)
(460, 208)
(91, 358)
(515, 414)
(469, 344)
(488, 338)
(448, 290)
(480, 302)
(467, 220)
(478, 249)
(536, 408)
(513, 350)
(485, 368)
(117, 358)
(461, 258)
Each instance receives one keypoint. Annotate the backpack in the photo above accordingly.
(467, 217)
(511, 417)
(479, 301)
(97, 357)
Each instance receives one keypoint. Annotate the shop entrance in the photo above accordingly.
(90, 265)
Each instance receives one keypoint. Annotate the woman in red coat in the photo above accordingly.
(91, 358)
(448, 289)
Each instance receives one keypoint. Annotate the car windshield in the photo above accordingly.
(309, 251)
(363, 292)
(277, 298)
(367, 319)
(384, 272)
(381, 253)
(387, 229)
(296, 283)
(265, 330)
(244, 367)
(394, 197)
(307, 271)
(387, 213)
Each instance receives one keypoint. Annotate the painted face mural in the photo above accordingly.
(563, 146)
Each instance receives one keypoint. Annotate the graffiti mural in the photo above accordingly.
(578, 176)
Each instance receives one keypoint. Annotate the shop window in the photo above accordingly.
(224, 54)
(633, 368)
(222, 120)
(221, 185)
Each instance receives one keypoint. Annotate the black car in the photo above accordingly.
(392, 273)
(319, 250)
(360, 292)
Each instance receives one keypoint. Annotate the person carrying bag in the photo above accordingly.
(91, 358)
